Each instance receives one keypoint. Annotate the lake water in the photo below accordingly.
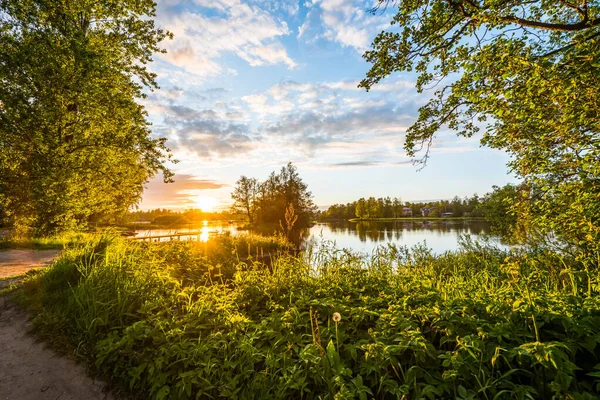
(440, 236)
(365, 236)
(201, 232)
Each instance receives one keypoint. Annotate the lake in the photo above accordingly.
(364, 236)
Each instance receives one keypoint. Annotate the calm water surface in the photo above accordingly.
(440, 236)
(201, 232)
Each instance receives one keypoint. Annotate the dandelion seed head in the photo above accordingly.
(337, 317)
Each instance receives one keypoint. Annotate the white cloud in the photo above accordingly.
(331, 121)
(347, 22)
(289, 7)
(274, 53)
(216, 27)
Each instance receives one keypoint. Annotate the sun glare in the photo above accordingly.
(205, 203)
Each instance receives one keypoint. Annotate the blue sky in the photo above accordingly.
(247, 86)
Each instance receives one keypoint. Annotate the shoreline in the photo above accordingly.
(407, 219)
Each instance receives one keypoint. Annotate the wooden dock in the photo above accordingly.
(174, 236)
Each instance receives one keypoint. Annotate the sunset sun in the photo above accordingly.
(205, 203)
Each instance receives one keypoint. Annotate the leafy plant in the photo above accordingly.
(481, 322)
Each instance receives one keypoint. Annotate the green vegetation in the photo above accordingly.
(390, 209)
(282, 201)
(496, 207)
(75, 146)
(42, 243)
(175, 321)
(526, 73)
(248, 316)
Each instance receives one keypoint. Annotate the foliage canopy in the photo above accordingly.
(528, 74)
(74, 143)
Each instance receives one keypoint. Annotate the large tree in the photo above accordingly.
(525, 72)
(74, 143)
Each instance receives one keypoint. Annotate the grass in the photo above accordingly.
(191, 320)
(55, 242)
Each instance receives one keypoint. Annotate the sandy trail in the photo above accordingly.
(28, 369)
(17, 262)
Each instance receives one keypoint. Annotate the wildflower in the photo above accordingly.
(337, 317)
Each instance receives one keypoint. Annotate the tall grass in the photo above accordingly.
(42, 243)
(192, 320)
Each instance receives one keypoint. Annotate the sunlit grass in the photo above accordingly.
(217, 319)
(42, 243)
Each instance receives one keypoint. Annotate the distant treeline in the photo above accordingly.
(163, 216)
(386, 207)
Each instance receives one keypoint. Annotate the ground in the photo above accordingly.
(28, 369)
(17, 262)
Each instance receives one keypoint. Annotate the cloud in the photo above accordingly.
(207, 31)
(305, 119)
(347, 22)
(313, 129)
(273, 53)
(289, 7)
(191, 182)
(177, 194)
(363, 164)
(207, 133)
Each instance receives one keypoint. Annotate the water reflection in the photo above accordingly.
(362, 236)
(366, 235)
(200, 232)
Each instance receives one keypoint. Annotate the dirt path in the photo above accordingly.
(17, 262)
(30, 371)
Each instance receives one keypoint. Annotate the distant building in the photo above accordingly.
(425, 211)
(407, 212)
(447, 214)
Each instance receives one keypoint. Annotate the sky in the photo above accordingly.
(247, 86)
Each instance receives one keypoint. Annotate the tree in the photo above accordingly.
(244, 196)
(388, 210)
(496, 207)
(456, 207)
(296, 194)
(75, 146)
(397, 207)
(528, 73)
(280, 193)
(361, 208)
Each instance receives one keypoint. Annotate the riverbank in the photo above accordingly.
(479, 322)
(416, 219)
